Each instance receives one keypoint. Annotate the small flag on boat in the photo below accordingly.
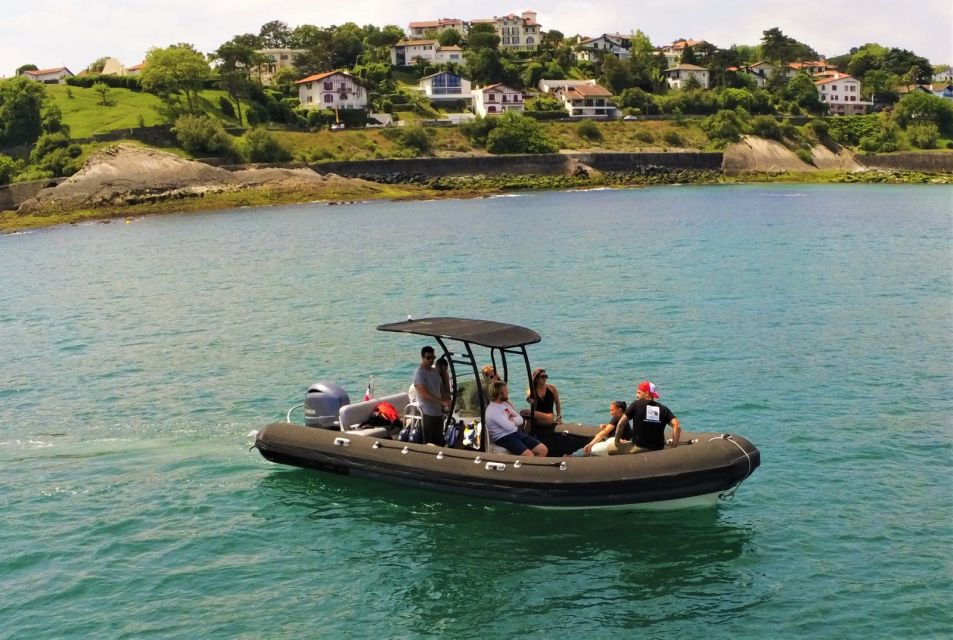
(369, 392)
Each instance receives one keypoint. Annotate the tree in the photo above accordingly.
(552, 39)
(615, 75)
(25, 67)
(177, 68)
(919, 107)
(275, 35)
(802, 91)
(237, 57)
(203, 134)
(688, 56)
(97, 65)
(449, 38)
(483, 36)
(780, 48)
(516, 133)
(21, 110)
(484, 66)
(103, 90)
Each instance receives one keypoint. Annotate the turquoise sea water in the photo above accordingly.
(136, 360)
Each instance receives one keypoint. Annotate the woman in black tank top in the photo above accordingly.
(545, 399)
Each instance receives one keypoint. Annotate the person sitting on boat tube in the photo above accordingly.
(503, 422)
(599, 445)
(428, 385)
(544, 397)
(649, 419)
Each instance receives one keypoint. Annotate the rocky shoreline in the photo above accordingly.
(131, 180)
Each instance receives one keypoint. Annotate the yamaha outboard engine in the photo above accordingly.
(321, 404)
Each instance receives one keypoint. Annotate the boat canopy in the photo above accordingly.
(487, 333)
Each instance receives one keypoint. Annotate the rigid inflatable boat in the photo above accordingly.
(338, 438)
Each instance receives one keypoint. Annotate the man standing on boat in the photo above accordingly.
(427, 384)
(649, 419)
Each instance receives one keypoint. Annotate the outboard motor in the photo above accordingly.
(321, 404)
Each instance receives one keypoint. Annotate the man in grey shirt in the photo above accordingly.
(429, 397)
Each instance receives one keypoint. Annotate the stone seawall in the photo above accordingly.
(554, 164)
(941, 162)
(13, 195)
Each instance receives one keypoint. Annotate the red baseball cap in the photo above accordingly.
(648, 388)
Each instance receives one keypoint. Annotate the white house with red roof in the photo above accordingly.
(56, 75)
(495, 99)
(587, 101)
(841, 94)
(331, 90)
(406, 52)
(422, 28)
(678, 77)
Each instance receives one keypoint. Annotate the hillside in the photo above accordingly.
(85, 115)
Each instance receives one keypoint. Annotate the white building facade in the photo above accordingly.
(495, 99)
(841, 94)
(331, 90)
(678, 77)
(446, 85)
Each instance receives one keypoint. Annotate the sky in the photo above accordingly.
(74, 33)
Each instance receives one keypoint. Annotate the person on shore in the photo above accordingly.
(599, 445)
(503, 423)
(544, 398)
(429, 396)
(649, 419)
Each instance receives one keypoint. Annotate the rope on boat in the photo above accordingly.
(730, 494)
(442, 453)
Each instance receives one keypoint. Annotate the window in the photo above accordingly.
(328, 86)
(328, 97)
(529, 39)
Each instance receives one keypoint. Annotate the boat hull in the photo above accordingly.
(690, 475)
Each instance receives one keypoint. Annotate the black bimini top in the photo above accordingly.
(486, 333)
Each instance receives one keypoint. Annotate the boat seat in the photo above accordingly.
(353, 416)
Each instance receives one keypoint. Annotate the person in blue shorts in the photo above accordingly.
(503, 423)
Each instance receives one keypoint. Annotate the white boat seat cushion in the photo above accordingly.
(352, 416)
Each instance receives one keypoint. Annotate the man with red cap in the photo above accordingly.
(649, 419)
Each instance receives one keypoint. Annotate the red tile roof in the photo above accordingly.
(587, 91)
(43, 72)
(322, 76)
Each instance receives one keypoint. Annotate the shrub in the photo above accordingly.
(766, 127)
(478, 129)
(59, 162)
(320, 118)
(203, 134)
(415, 137)
(8, 168)
(515, 133)
(725, 126)
(673, 138)
(261, 145)
(644, 135)
(46, 144)
(589, 130)
(806, 156)
(820, 129)
(924, 135)
(33, 173)
(226, 106)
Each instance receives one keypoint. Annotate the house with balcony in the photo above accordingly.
(406, 52)
(450, 53)
(495, 99)
(591, 49)
(56, 75)
(446, 86)
(551, 86)
(274, 61)
(331, 90)
(516, 32)
(673, 52)
(424, 28)
(679, 76)
(587, 101)
(841, 94)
